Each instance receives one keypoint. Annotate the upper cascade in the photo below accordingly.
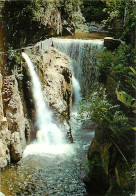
(82, 54)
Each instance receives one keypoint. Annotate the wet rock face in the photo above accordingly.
(55, 73)
(57, 86)
(4, 143)
(107, 169)
(54, 70)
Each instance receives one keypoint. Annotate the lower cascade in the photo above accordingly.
(49, 137)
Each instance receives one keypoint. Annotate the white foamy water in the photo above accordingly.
(50, 138)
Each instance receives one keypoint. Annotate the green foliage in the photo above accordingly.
(113, 120)
(93, 11)
(115, 10)
(18, 21)
(95, 162)
(126, 99)
(110, 120)
(79, 21)
(114, 71)
(130, 187)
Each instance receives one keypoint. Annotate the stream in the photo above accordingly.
(51, 174)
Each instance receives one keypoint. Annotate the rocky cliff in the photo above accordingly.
(4, 134)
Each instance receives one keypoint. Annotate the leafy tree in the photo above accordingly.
(127, 99)
(114, 71)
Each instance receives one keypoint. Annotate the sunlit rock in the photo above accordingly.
(1, 194)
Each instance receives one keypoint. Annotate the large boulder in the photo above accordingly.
(111, 43)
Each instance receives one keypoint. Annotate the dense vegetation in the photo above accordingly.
(93, 11)
(118, 16)
(26, 22)
(121, 18)
(112, 102)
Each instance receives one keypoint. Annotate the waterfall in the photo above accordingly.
(82, 54)
(49, 136)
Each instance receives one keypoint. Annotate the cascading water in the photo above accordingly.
(49, 137)
(82, 55)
